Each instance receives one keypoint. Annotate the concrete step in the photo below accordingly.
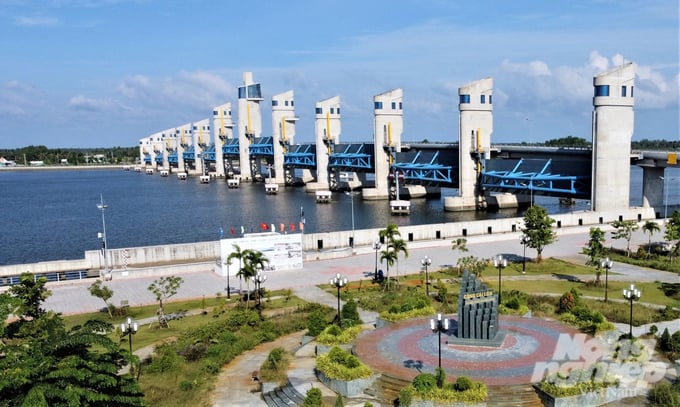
(523, 395)
(386, 388)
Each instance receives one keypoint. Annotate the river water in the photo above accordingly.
(53, 215)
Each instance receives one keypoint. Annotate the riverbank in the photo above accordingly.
(67, 167)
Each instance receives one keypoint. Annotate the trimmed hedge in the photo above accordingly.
(413, 313)
(333, 335)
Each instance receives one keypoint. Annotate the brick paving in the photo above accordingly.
(406, 349)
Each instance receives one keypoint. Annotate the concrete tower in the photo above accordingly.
(327, 127)
(475, 125)
(223, 130)
(613, 120)
(201, 138)
(184, 135)
(249, 121)
(144, 147)
(283, 131)
(388, 127)
(157, 148)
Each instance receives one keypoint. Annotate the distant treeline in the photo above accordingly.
(73, 156)
(644, 144)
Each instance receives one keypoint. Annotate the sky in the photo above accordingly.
(105, 73)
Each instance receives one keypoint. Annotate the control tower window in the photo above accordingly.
(631, 91)
(275, 102)
(602, 90)
(286, 103)
(482, 99)
(337, 110)
(214, 112)
(319, 110)
(490, 99)
(400, 106)
(464, 99)
(377, 105)
(623, 91)
(241, 92)
(254, 91)
(394, 105)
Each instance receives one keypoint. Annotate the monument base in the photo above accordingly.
(495, 342)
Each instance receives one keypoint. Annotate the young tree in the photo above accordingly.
(253, 260)
(472, 264)
(595, 251)
(459, 244)
(624, 230)
(389, 233)
(650, 227)
(30, 294)
(163, 289)
(238, 255)
(97, 289)
(389, 256)
(399, 246)
(538, 229)
(673, 233)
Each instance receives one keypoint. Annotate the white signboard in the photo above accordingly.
(284, 252)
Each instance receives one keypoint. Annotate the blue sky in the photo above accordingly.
(90, 73)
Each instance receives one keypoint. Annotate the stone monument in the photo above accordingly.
(477, 314)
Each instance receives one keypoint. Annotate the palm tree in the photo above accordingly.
(650, 227)
(237, 254)
(253, 260)
(399, 245)
(389, 256)
(389, 233)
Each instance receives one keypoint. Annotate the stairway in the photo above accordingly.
(523, 395)
(386, 388)
(283, 396)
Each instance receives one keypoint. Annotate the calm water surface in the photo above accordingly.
(53, 215)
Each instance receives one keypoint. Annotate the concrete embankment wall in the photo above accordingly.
(151, 259)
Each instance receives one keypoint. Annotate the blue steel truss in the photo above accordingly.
(147, 158)
(172, 157)
(159, 158)
(304, 156)
(188, 154)
(230, 148)
(262, 146)
(353, 157)
(209, 153)
(425, 172)
(538, 181)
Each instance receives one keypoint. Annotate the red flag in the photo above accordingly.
(232, 231)
(263, 226)
(292, 227)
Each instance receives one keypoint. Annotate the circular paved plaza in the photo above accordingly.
(406, 349)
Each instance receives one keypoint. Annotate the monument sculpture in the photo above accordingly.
(477, 313)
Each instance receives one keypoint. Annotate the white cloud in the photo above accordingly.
(80, 102)
(17, 99)
(37, 21)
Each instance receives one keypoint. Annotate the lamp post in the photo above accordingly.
(426, 261)
(500, 263)
(351, 194)
(376, 247)
(129, 328)
(339, 281)
(228, 287)
(606, 264)
(632, 294)
(525, 241)
(102, 207)
(259, 278)
(438, 326)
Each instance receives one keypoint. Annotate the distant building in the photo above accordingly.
(36, 163)
(6, 163)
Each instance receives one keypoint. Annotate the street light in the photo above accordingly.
(438, 326)
(500, 263)
(228, 287)
(606, 264)
(339, 281)
(632, 294)
(524, 241)
(426, 261)
(259, 278)
(351, 194)
(376, 247)
(102, 207)
(129, 328)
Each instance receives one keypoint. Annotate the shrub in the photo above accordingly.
(338, 401)
(313, 398)
(414, 313)
(463, 383)
(316, 322)
(441, 377)
(664, 394)
(275, 366)
(406, 396)
(341, 365)
(424, 382)
(350, 314)
(567, 303)
(333, 335)
(653, 329)
(665, 341)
